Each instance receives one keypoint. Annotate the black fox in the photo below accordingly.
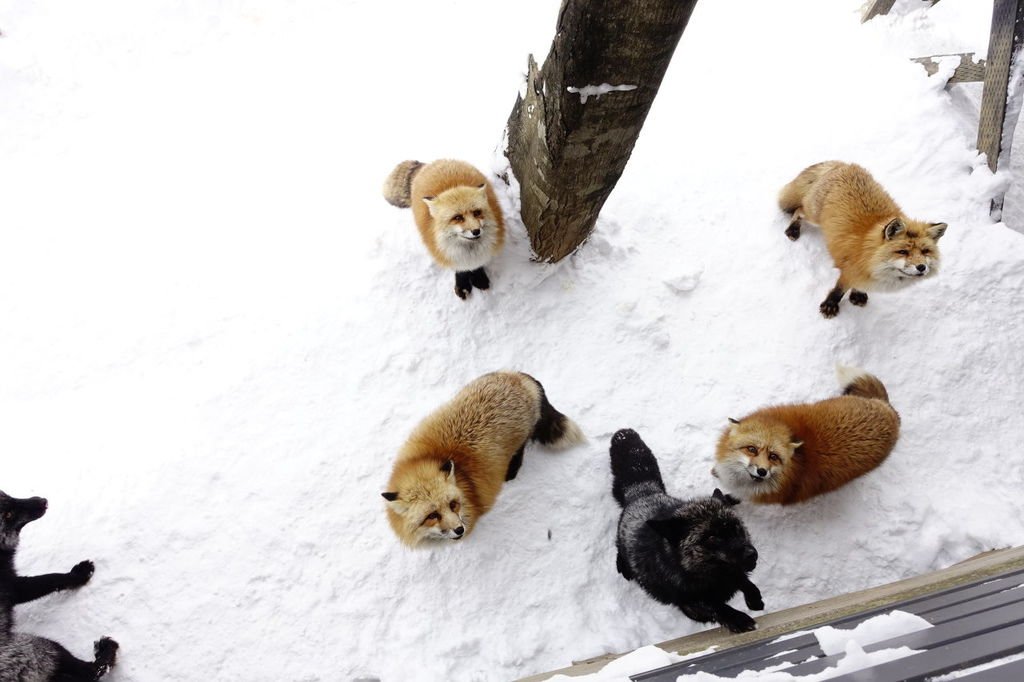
(26, 658)
(695, 554)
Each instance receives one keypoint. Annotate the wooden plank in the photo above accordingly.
(956, 656)
(876, 7)
(995, 128)
(1008, 671)
(967, 71)
(808, 616)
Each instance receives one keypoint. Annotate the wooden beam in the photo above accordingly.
(998, 114)
(876, 7)
(968, 71)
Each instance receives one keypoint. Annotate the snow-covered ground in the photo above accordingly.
(215, 333)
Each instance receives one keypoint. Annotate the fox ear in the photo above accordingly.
(895, 227)
(390, 497)
(672, 529)
(449, 468)
(734, 421)
(429, 201)
(936, 230)
(796, 444)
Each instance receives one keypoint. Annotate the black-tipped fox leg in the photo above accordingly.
(858, 297)
(830, 306)
(463, 284)
(752, 595)
(29, 588)
(71, 669)
(793, 231)
(479, 279)
(515, 463)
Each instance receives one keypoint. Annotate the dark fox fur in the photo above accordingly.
(695, 554)
(26, 658)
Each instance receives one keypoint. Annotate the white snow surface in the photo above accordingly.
(878, 629)
(216, 333)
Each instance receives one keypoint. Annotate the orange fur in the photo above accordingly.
(808, 449)
(872, 242)
(480, 431)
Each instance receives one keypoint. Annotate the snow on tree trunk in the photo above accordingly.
(570, 136)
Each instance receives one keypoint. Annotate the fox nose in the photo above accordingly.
(922, 267)
(460, 530)
(476, 232)
(762, 472)
(750, 556)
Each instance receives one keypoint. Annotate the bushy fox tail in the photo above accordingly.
(856, 381)
(635, 472)
(553, 428)
(792, 195)
(398, 186)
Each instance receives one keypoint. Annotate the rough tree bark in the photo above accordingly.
(568, 145)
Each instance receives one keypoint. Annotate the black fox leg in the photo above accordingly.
(830, 306)
(622, 565)
(515, 463)
(28, 588)
(858, 297)
(733, 620)
(463, 284)
(71, 669)
(479, 279)
(751, 595)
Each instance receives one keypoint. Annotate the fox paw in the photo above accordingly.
(754, 602)
(462, 293)
(858, 298)
(739, 622)
(829, 308)
(81, 572)
(105, 651)
(793, 231)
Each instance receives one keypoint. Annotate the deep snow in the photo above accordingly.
(216, 333)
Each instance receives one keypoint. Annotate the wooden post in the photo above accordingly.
(876, 7)
(570, 136)
(1001, 100)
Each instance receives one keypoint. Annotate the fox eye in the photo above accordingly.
(433, 516)
(458, 218)
(903, 252)
(478, 213)
(711, 540)
(8, 515)
(925, 252)
(772, 457)
(751, 449)
(453, 505)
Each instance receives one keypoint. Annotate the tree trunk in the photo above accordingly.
(569, 139)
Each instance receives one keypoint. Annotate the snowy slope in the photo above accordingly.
(216, 333)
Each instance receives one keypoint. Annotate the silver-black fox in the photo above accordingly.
(27, 658)
(694, 554)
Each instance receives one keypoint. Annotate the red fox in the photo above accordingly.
(872, 242)
(457, 213)
(789, 453)
(450, 471)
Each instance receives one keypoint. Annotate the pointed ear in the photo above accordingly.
(431, 206)
(936, 230)
(895, 227)
(449, 468)
(734, 421)
(796, 444)
(482, 187)
(672, 529)
(390, 497)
